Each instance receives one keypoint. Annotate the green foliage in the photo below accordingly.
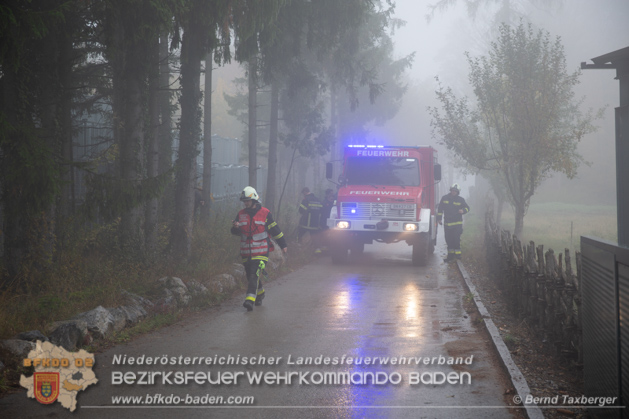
(153, 323)
(302, 109)
(48, 304)
(249, 18)
(526, 123)
(23, 21)
(28, 166)
(92, 269)
(108, 197)
(64, 60)
(214, 245)
(510, 340)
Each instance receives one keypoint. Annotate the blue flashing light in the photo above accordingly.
(365, 146)
(353, 211)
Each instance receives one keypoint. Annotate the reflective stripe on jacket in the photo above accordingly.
(254, 240)
(449, 207)
(310, 210)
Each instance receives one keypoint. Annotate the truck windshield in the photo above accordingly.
(398, 171)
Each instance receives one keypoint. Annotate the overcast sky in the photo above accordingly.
(588, 29)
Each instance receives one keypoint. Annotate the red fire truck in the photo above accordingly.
(386, 194)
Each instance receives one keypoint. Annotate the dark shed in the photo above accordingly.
(619, 60)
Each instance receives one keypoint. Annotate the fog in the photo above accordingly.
(588, 29)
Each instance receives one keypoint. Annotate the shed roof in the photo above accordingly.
(618, 58)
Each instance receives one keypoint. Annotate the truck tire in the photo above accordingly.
(357, 248)
(421, 250)
(338, 253)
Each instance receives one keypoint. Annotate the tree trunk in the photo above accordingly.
(191, 55)
(317, 173)
(450, 175)
(127, 124)
(271, 181)
(206, 193)
(132, 150)
(13, 216)
(519, 220)
(117, 108)
(43, 228)
(66, 204)
(501, 203)
(152, 158)
(288, 173)
(334, 121)
(253, 122)
(301, 167)
(165, 157)
(28, 170)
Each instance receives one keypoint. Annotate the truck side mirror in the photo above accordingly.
(437, 172)
(328, 170)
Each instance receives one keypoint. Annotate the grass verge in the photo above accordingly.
(92, 270)
(558, 225)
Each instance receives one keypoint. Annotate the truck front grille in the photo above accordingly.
(376, 211)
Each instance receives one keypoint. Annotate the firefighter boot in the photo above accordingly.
(248, 304)
(259, 299)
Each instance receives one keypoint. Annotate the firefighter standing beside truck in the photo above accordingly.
(451, 208)
(310, 210)
(255, 226)
(326, 209)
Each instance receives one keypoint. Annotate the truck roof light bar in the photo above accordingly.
(386, 146)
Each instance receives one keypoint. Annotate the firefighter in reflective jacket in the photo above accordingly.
(451, 208)
(255, 226)
(310, 210)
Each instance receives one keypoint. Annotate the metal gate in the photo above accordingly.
(605, 293)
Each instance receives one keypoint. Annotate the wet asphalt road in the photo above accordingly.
(377, 306)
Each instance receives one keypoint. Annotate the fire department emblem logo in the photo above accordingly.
(46, 386)
(377, 209)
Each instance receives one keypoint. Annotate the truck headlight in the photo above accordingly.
(410, 227)
(343, 224)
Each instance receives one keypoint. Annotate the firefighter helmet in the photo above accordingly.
(249, 194)
(456, 187)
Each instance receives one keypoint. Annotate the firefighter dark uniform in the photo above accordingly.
(451, 208)
(326, 208)
(255, 226)
(310, 210)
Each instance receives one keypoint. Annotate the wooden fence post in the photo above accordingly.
(541, 287)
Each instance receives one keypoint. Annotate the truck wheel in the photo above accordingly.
(420, 250)
(339, 254)
(357, 248)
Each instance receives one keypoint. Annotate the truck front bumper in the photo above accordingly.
(384, 226)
